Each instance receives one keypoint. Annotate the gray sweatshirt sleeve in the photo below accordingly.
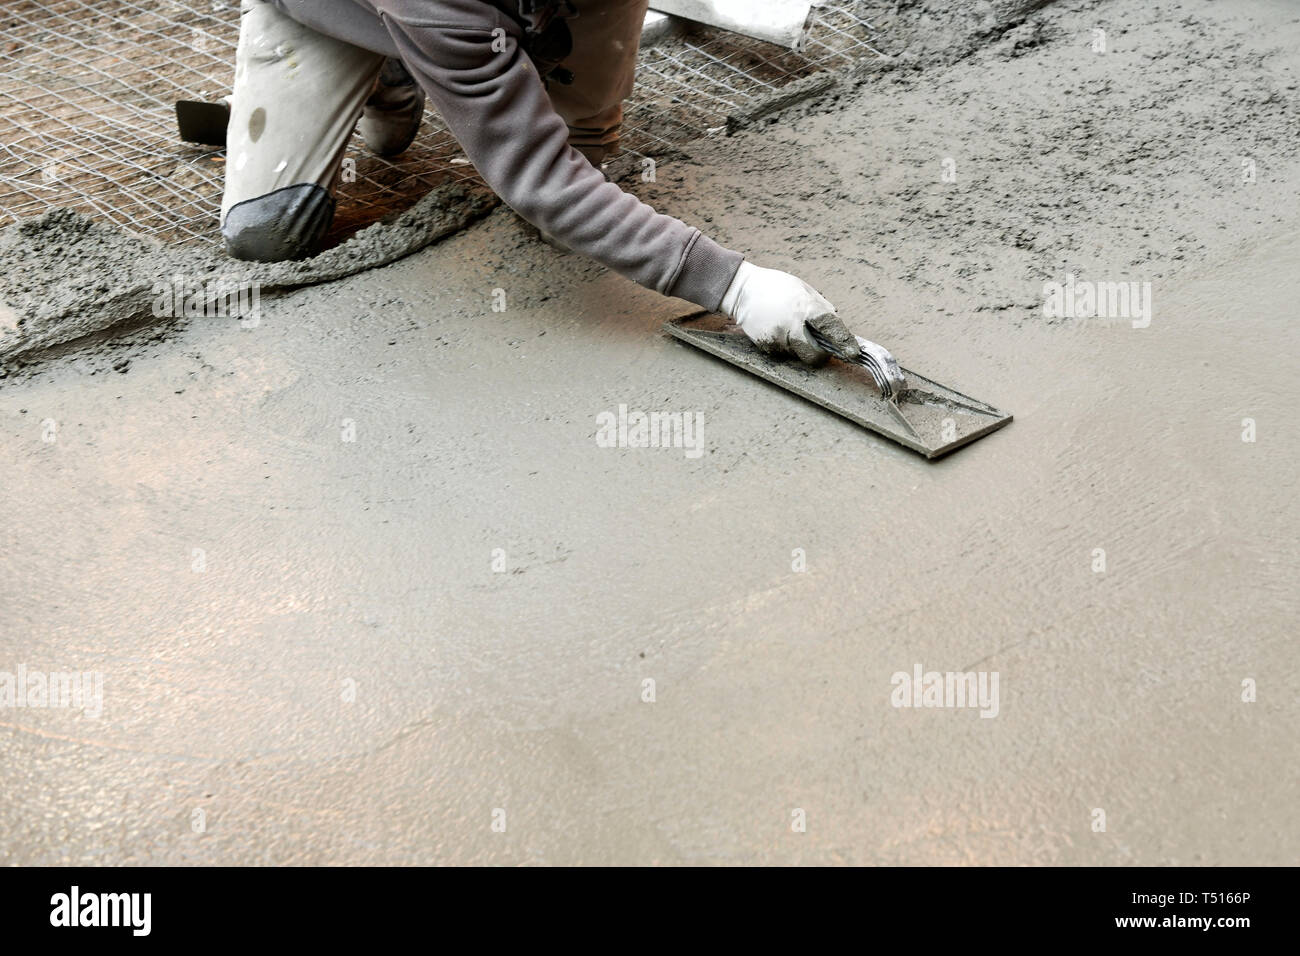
(496, 106)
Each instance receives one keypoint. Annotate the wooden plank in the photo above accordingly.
(783, 22)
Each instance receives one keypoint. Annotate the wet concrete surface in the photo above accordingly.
(361, 576)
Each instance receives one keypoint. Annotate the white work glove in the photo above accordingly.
(771, 308)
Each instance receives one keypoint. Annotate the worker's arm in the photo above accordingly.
(496, 106)
(467, 56)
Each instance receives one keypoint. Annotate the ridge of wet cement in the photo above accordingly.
(64, 276)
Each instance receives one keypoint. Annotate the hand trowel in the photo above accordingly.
(869, 388)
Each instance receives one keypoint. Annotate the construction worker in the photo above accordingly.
(531, 89)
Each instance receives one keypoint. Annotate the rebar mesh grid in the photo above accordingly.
(88, 87)
(688, 85)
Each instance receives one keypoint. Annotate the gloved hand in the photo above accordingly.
(771, 308)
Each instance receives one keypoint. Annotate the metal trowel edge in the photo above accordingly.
(925, 416)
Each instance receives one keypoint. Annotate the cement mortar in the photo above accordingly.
(64, 277)
(361, 577)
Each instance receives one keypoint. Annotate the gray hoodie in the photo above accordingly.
(496, 106)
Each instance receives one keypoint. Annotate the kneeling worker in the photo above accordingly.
(531, 89)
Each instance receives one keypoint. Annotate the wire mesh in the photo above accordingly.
(688, 85)
(88, 87)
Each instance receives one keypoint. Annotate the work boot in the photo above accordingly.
(594, 154)
(391, 117)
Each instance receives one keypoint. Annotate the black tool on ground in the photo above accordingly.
(202, 123)
(888, 399)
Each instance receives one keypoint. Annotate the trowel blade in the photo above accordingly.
(928, 418)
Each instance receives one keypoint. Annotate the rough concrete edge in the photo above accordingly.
(441, 212)
(129, 306)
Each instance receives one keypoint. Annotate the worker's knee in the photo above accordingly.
(286, 224)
